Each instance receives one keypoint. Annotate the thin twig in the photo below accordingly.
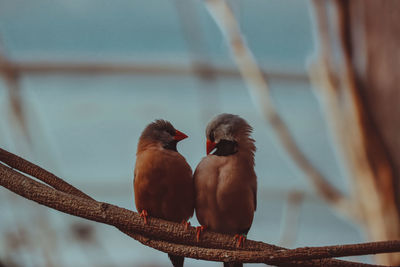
(15, 98)
(259, 91)
(102, 68)
(290, 222)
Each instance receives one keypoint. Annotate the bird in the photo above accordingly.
(163, 180)
(225, 181)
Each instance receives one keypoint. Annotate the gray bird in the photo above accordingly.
(225, 181)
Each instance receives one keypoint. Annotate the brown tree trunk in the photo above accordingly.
(356, 74)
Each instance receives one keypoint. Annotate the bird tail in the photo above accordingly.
(233, 264)
(177, 261)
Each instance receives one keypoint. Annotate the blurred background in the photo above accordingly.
(92, 74)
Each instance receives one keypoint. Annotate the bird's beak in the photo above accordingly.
(210, 146)
(179, 136)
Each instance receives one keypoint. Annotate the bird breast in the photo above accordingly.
(163, 185)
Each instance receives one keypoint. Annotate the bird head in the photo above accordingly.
(228, 133)
(162, 132)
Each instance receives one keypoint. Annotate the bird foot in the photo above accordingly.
(199, 230)
(144, 215)
(186, 224)
(240, 240)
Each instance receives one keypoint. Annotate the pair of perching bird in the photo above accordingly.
(222, 190)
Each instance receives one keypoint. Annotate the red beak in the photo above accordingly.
(210, 146)
(179, 136)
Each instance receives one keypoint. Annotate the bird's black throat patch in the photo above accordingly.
(226, 148)
(171, 145)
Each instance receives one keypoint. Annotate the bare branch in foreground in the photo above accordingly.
(167, 236)
(259, 91)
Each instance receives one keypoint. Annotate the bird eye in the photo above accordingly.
(212, 137)
(171, 132)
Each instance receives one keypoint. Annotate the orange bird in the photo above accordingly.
(163, 182)
(225, 181)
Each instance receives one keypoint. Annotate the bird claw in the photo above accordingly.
(186, 224)
(240, 240)
(199, 230)
(144, 215)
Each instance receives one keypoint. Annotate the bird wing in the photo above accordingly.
(204, 179)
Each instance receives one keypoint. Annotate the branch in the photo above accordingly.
(291, 220)
(27, 167)
(167, 236)
(101, 68)
(15, 97)
(259, 91)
